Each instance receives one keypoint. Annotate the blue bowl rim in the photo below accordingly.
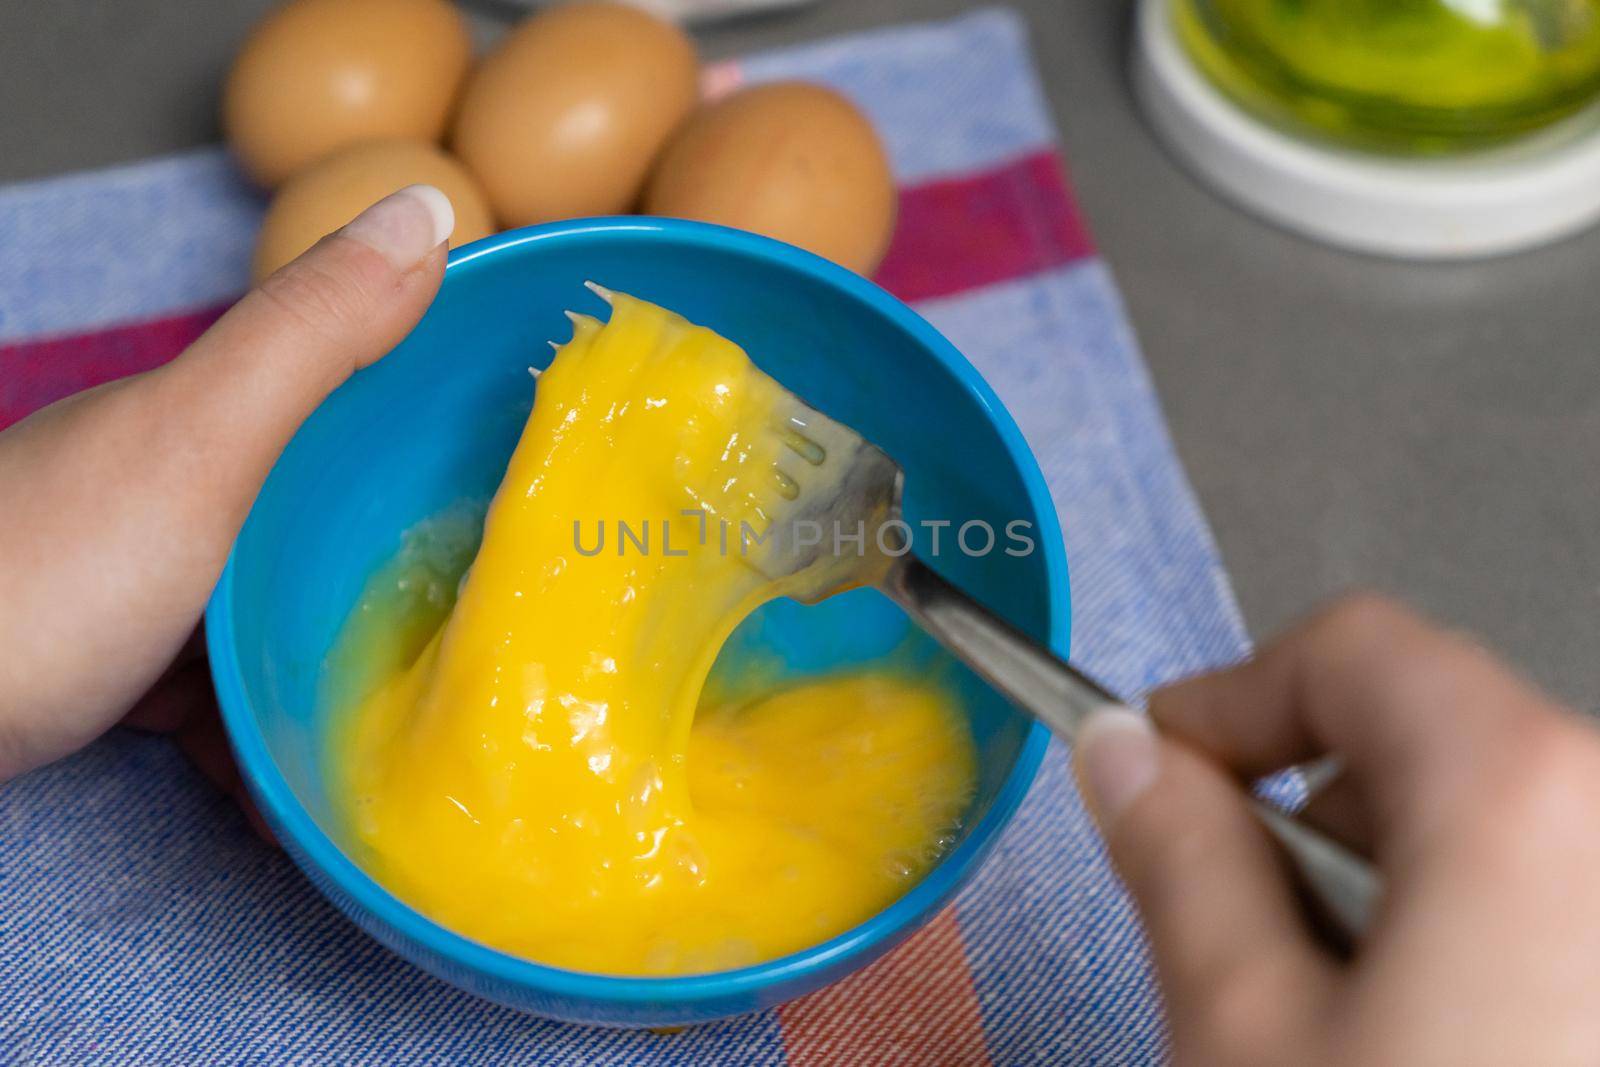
(286, 814)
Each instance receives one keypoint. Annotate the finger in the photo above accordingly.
(340, 306)
(177, 692)
(194, 648)
(1341, 810)
(203, 740)
(1407, 706)
(1224, 925)
(185, 692)
(252, 815)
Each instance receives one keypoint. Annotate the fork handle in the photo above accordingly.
(1342, 886)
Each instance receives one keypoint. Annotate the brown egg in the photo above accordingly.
(790, 160)
(565, 116)
(333, 191)
(316, 75)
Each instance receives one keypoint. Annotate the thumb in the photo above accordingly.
(243, 388)
(1225, 930)
(338, 307)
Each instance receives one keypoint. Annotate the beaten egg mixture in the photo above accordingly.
(539, 778)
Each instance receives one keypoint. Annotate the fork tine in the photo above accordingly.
(804, 447)
(787, 487)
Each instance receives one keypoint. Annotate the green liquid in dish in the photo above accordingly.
(1414, 76)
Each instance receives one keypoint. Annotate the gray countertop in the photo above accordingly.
(1433, 431)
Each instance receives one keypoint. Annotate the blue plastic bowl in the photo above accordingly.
(434, 423)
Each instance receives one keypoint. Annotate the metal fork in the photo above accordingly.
(832, 480)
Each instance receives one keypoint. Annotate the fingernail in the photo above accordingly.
(1118, 757)
(405, 225)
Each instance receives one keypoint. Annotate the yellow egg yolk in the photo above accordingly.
(537, 777)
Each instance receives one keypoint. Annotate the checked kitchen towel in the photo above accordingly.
(141, 922)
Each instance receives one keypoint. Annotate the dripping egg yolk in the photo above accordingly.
(531, 762)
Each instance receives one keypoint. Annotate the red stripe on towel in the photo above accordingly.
(917, 1005)
(967, 232)
(36, 373)
(953, 234)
